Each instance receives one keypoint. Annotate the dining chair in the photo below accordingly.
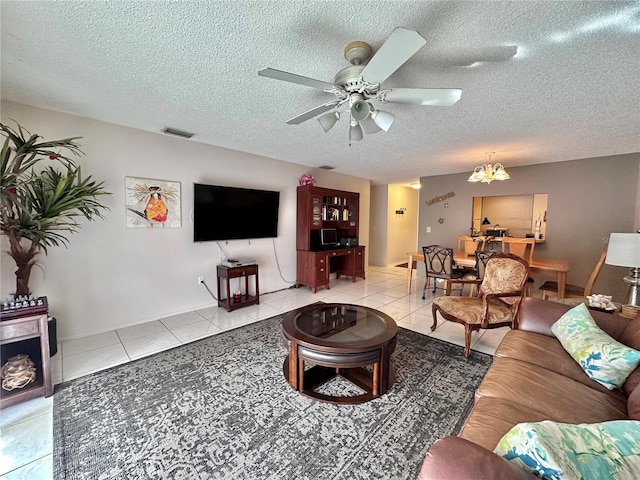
(523, 248)
(470, 245)
(497, 303)
(439, 263)
(575, 291)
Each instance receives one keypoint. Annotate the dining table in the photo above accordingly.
(559, 267)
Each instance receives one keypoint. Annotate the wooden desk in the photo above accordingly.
(560, 267)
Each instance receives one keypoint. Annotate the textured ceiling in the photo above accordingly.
(571, 91)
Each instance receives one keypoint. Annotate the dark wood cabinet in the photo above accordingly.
(28, 334)
(324, 208)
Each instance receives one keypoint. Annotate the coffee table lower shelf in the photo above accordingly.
(318, 375)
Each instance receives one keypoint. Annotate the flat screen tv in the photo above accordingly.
(230, 213)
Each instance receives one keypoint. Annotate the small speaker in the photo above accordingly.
(349, 241)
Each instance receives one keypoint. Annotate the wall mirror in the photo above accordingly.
(512, 215)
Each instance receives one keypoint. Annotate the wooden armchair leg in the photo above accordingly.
(467, 340)
(434, 310)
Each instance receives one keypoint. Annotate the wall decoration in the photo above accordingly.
(152, 203)
(440, 198)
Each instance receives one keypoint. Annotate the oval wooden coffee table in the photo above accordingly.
(339, 340)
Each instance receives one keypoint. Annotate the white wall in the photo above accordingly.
(378, 225)
(402, 229)
(112, 276)
(392, 235)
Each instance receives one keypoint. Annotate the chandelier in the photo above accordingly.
(488, 172)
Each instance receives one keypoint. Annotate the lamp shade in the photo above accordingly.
(623, 250)
(355, 132)
(383, 119)
(369, 126)
(328, 120)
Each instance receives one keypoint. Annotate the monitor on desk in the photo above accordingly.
(328, 237)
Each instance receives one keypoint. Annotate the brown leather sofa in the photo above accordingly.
(532, 378)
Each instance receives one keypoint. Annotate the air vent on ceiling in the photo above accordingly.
(176, 132)
(327, 167)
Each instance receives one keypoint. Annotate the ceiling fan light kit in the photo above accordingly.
(359, 83)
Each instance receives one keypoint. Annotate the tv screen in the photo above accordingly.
(229, 213)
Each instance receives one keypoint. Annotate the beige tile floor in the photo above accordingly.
(26, 442)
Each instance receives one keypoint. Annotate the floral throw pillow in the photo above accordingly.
(603, 358)
(560, 451)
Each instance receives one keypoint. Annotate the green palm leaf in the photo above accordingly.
(43, 207)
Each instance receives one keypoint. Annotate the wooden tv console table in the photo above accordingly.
(225, 274)
(314, 268)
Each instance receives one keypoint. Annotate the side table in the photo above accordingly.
(225, 274)
(18, 330)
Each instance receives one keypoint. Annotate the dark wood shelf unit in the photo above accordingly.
(225, 274)
(21, 330)
(319, 208)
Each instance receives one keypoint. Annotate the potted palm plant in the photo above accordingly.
(41, 205)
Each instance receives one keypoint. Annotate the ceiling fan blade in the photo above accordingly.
(401, 45)
(498, 53)
(293, 78)
(314, 112)
(440, 97)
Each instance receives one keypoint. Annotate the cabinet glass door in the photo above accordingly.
(352, 205)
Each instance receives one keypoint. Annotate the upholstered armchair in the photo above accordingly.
(497, 302)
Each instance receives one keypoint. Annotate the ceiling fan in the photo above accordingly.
(356, 86)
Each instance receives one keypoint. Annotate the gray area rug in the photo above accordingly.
(220, 408)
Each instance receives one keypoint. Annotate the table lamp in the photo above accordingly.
(624, 251)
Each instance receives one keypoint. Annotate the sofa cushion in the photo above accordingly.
(604, 359)
(633, 404)
(559, 450)
(555, 395)
(546, 352)
(491, 418)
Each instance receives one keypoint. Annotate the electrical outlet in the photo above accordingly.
(200, 280)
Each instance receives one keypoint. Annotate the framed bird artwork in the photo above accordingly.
(152, 203)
